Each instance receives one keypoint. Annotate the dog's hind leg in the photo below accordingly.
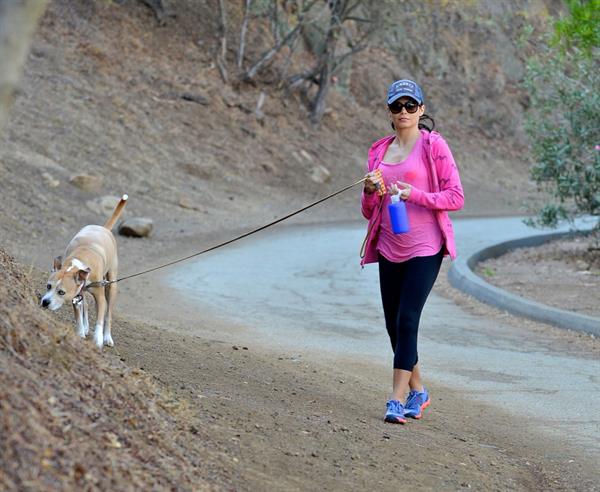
(111, 295)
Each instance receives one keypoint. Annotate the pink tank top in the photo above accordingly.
(424, 237)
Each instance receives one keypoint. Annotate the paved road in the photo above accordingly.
(303, 287)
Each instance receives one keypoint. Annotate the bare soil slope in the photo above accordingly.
(564, 273)
(103, 91)
(74, 419)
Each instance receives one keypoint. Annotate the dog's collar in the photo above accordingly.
(78, 299)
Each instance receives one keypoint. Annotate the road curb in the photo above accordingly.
(462, 277)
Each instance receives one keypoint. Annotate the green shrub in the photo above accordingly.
(563, 121)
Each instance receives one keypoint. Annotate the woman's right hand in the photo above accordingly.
(373, 182)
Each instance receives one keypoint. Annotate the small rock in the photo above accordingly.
(113, 440)
(320, 174)
(86, 182)
(50, 181)
(268, 167)
(187, 204)
(136, 227)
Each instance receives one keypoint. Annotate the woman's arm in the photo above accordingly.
(368, 204)
(450, 196)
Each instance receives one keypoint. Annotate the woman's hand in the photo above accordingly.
(401, 188)
(373, 182)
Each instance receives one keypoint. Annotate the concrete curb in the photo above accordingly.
(462, 277)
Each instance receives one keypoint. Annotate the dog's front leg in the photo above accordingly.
(79, 310)
(86, 319)
(99, 297)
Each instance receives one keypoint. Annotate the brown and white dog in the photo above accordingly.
(90, 257)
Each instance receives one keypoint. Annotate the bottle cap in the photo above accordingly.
(396, 198)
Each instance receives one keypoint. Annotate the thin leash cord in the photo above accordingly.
(212, 248)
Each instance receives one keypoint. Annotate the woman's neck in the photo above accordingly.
(407, 136)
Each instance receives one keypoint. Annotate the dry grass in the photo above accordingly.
(72, 418)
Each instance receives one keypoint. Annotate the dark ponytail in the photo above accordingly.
(422, 126)
(429, 126)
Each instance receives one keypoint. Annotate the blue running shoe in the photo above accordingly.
(395, 412)
(416, 402)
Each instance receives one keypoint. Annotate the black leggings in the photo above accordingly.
(404, 290)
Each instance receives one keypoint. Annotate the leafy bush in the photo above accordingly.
(563, 122)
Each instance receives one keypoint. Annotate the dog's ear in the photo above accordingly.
(57, 265)
(82, 275)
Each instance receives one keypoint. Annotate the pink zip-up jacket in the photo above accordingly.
(446, 195)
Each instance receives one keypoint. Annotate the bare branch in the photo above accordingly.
(222, 56)
(158, 8)
(340, 59)
(269, 54)
(290, 37)
(240, 58)
(359, 19)
(275, 21)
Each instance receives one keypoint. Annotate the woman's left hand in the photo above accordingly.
(399, 187)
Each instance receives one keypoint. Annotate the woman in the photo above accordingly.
(416, 163)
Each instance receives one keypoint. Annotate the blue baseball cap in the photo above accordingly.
(402, 88)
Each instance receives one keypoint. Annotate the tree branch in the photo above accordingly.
(271, 52)
(240, 58)
(222, 56)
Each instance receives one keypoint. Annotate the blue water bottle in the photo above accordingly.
(398, 215)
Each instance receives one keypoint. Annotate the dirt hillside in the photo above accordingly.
(102, 95)
(73, 419)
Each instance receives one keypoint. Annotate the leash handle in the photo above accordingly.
(363, 248)
(104, 283)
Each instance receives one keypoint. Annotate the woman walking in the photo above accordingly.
(416, 163)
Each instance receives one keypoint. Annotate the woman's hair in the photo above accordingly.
(429, 126)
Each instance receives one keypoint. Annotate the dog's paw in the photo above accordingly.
(98, 338)
(108, 341)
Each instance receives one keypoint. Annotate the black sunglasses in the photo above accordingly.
(410, 106)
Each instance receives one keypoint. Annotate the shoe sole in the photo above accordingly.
(423, 407)
(395, 420)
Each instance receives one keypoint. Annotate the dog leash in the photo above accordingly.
(104, 283)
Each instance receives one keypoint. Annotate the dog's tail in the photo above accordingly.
(110, 223)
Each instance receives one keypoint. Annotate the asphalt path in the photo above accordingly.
(303, 287)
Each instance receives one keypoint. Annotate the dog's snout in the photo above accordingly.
(45, 303)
